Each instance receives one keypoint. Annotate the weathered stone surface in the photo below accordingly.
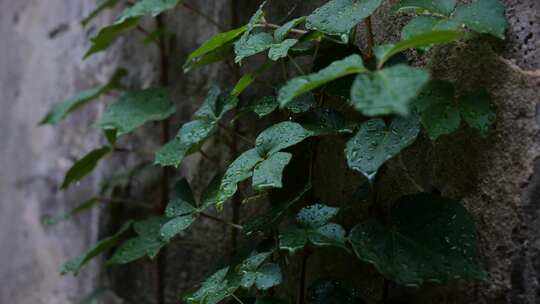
(42, 45)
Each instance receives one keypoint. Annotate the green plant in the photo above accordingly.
(423, 238)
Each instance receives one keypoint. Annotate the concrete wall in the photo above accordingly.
(42, 44)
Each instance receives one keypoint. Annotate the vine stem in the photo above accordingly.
(217, 219)
(370, 37)
(302, 284)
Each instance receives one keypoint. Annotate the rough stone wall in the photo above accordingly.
(42, 45)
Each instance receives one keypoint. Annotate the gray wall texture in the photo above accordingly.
(42, 44)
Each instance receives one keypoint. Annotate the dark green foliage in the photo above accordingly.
(424, 238)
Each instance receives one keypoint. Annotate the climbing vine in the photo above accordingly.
(375, 100)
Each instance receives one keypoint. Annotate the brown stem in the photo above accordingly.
(165, 136)
(370, 37)
(302, 284)
(148, 34)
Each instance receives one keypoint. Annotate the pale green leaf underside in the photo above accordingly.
(431, 239)
(280, 136)
(338, 17)
(281, 50)
(135, 108)
(387, 91)
(376, 142)
(268, 173)
(303, 84)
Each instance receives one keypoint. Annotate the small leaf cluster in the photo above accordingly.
(380, 104)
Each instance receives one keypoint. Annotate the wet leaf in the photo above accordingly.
(375, 143)
(182, 201)
(84, 166)
(75, 264)
(419, 25)
(62, 109)
(281, 50)
(431, 239)
(338, 17)
(213, 44)
(300, 85)
(387, 91)
(193, 134)
(385, 52)
(281, 33)
(176, 226)
(292, 239)
(443, 7)
(302, 103)
(280, 136)
(239, 170)
(315, 216)
(251, 45)
(215, 289)
(478, 111)
(324, 121)
(135, 108)
(437, 109)
(483, 16)
(265, 105)
(268, 173)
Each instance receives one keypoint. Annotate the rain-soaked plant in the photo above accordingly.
(374, 99)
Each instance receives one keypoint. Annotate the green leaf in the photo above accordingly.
(176, 225)
(135, 108)
(314, 227)
(103, 5)
(430, 239)
(281, 33)
(419, 25)
(251, 45)
(268, 276)
(147, 8)
(281, 50)
(323, 121)
(376, 143)
(84, 166)
(385, 52)
(219, 54)
(108, 35)
(332, 291)
(240, 170)
(293, 239)
(315, 216)
(209, 195)
(83, 207)
(147, 243)
(192, 135)
(128, 20)
(387, 91)
(483, 16)
(62, 109)
(265, 105)
(75, 264)
(438, 112)
(443, 7)
(267, 219)
(215, 289)
(478, 111)
(182, 201)
(300, 85)
(268, 173)
(302, 103)
(338, 17)
(216, 42)
(242, 84)
(263, 277)
(280, 136)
